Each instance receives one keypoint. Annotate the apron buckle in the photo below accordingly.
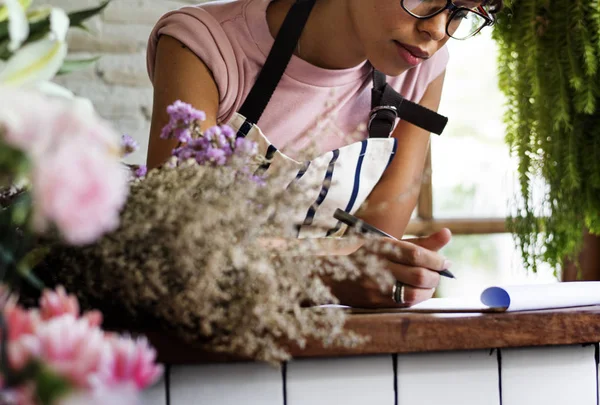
(387, 113)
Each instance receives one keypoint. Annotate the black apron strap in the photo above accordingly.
(387, 105)
(277, 61)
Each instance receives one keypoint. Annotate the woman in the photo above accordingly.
(211, 56)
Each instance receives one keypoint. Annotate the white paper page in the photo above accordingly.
(543, 296)
(510, 298)
(453, 303)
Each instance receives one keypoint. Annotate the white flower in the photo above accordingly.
(18, 26)
(59, 24)
(39, 61)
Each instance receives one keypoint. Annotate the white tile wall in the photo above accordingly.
(226, 384)
(155, 395)
(453, 378)
(361, 380)
(562, 375)
(529, 376)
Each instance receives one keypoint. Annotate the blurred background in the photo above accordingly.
(471, 176)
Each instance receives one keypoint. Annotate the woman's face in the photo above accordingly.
(392, 39)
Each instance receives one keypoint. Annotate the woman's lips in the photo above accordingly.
(412, 55)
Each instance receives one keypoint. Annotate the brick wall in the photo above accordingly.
(118, 84)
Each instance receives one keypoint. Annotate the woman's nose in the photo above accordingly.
(435, 27)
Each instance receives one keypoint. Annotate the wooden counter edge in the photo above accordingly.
(417, 333)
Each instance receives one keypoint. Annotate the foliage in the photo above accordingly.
(548, 58)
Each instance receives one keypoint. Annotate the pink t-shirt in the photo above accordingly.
(311, 104)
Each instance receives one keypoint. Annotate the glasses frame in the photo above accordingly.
(454, 9)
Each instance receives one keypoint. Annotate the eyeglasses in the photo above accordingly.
(463, 22)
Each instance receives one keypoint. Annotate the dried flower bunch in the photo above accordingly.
(209, 253)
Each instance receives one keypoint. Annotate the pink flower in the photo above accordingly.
(78, 182)
(94, 318)
(75, 350)
(20, 321)
(57, 303)
(21, 325)
(33, 122)
(22, 350)
(24, 116)
(80, 189)
(134, 362)
(77, 120)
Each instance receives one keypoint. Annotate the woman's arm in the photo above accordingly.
(178, 75)
(393, 199)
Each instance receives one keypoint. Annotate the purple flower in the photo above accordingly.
(228, 132)
(245, 147)
(214, 147)
(183, 153)
(259, 180)
(181, 111)
(182, 134)
(183, 119)
(216, 156)
(141, 171)
(128, 145)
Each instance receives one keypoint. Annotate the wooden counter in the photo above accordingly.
(537, 357)
(422, 332)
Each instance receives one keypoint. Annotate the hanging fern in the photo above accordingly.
(549, 54)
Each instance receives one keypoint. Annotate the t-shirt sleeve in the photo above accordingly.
(203, 35)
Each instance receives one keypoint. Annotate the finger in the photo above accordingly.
(435, 241)
(410, 254)
(413, 296)
(415, 276)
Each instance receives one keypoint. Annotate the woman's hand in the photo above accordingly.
(414, 262)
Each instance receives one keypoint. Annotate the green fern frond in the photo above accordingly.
(549, 55)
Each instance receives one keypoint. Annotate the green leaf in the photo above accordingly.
(3, 29)
(82, 27)
(13, 162)
(35, 257)
(79, 17)
(6, 256)
(28, 275)
(50, 387)
(5, 53)
(555, 138)
(20, 214)
(73, 65)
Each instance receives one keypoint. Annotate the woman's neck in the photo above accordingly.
(329, 19)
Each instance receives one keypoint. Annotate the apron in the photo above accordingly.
(342, 178)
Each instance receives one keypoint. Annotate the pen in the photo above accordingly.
(364, 227)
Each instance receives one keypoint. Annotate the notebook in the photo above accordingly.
(510, 299)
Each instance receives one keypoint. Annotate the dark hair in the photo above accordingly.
(495, 6)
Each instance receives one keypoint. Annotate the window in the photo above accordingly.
(470, 178)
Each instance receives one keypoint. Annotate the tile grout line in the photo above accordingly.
(168, 383)
(395, 367)
(597, 358)
(284, 379)
(499, 357)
